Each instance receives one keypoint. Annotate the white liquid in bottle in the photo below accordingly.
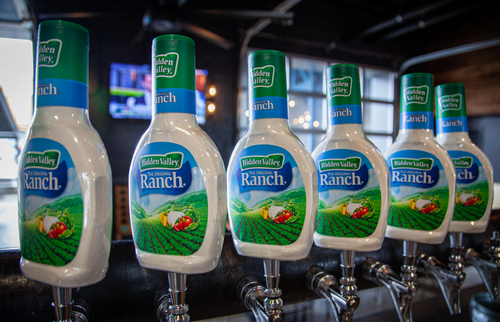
(354, 180)
(65, 194)
(423, 181)
(474, 171)
(177, 178)
(272, 179)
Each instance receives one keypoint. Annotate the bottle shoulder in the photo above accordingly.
(192, 138)
(82, 142)
(359, 144)
(426, 144)
(286, 140)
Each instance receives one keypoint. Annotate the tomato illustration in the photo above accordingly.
(472, 200)
(61, 228)
(187, 221)
(364, 211)
(287, 214)
(428, 208)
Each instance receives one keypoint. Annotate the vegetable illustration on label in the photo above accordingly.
(472, 186)
(469, 197)
(281, 211)
(359, 207)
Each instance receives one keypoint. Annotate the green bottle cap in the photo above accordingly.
(267, 73)
(173, 62)
(62, 65)
(417, 92)
(267, 77)
(63, 51)
(174, 74)
(343, 85)
(450, 100)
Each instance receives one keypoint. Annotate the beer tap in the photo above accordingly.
(488, 268)
(341, 296)
(264, 302)
(402, 287)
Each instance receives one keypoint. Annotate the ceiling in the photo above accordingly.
(384, 30)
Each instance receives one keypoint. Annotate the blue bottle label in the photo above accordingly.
(452, 124)
(417, 120)
(420, 192)
(50, 203)
(267, 196)
(345, 114)
(349, 194)
(174, 100)
(168, 200)
(61, 92)
(269, 107)
(472, 187)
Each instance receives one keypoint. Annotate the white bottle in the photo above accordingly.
(272, 179)
(354, 180)
(64, 194)
(177, 178)
(423, 180)
(474, 171)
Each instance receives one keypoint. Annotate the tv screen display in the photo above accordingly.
(131, 87)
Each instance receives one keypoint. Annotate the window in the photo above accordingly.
(16, 96)
(307, 110)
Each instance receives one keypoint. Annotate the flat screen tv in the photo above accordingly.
(130, 92)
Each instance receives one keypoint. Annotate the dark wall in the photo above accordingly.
(112, 40)
(485, 132)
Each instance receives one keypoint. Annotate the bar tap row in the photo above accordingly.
(278, 197)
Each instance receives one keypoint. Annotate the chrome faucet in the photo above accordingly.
(449, 280)
(341, 297)
(265, 303)
(489, 269)
(171, 306)
(64, 306)
(401, 287)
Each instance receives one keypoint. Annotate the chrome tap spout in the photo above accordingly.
(327, 287)
(489, 269)
(171, 306)
(254, 296)
(449, 280)
(401, 292)
(401, 288)
(65, 308)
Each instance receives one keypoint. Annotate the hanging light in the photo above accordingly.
(212, 90)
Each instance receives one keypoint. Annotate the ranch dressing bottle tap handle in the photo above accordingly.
(474, 192)
(176, 181)
(423, 183)
(354, 189)
(272, 186)
(65, 211)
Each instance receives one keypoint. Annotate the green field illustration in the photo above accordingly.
(277, 220)
(52, 233)
(421, 210)
(471, 202)
(176, 227)
(354, 215)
